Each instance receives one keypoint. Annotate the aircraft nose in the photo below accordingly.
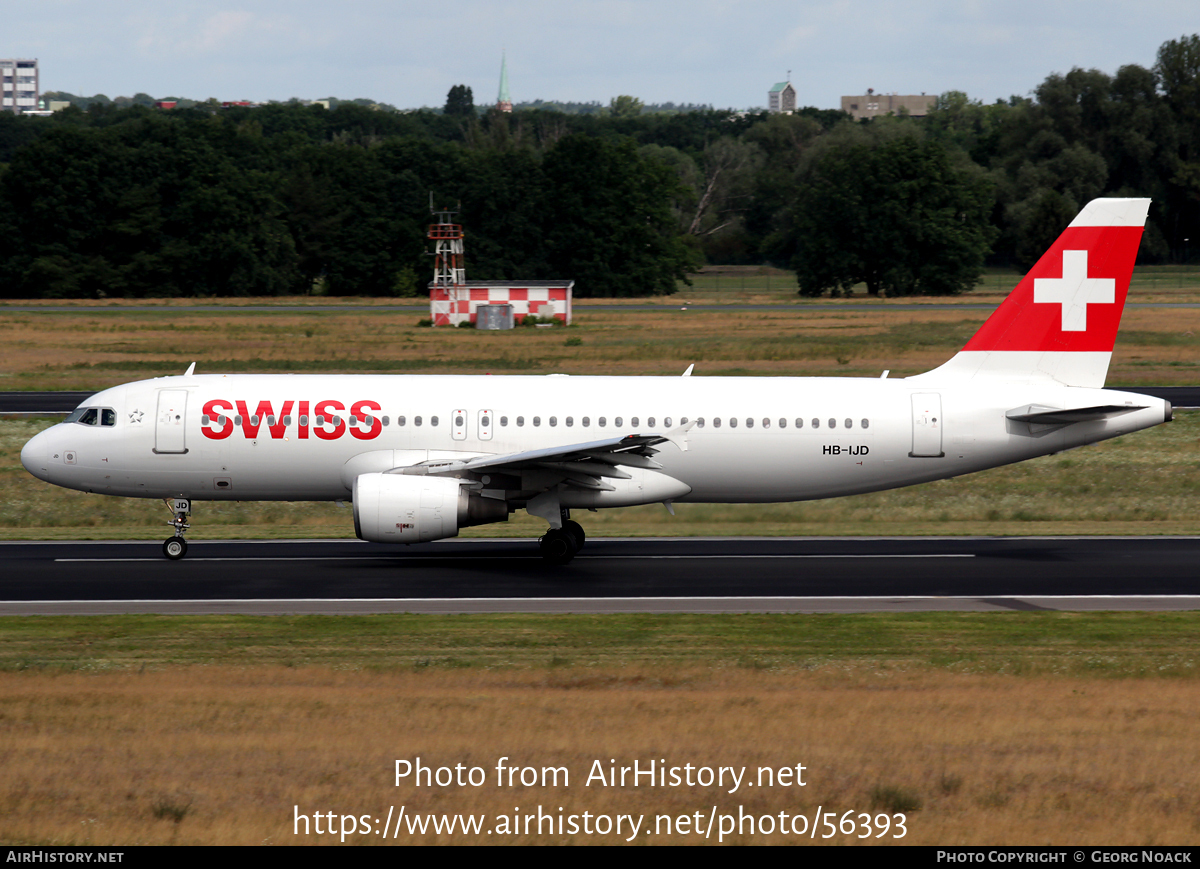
(35, 453)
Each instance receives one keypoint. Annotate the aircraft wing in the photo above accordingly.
(583, 464)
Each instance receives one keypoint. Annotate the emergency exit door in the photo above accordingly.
(927, 425)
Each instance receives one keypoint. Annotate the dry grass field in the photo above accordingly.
(95, 347)
(981, 729)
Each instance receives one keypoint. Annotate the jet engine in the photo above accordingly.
(402, 508)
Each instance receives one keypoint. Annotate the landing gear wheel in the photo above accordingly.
(558, 546)
(576, 531)
(175, 548)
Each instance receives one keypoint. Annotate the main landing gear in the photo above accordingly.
(559, 545)
(176, 547)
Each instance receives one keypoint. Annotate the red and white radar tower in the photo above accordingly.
(449, 287)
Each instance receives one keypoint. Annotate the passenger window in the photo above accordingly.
(586, 422)
(816, 423)
(849, 423)
(732, 422)
(866, 423)
(400, 421)
(634, 422)
(537, 420)
(386, 422)
(617, 422)
(683, 421)
(287, 420)
(700, 422)
(570, 421)
(749, 423)
(520, 421)
(504, 421)
(782, 422)
(304, 420)
(237, 420)
(271, 420)
(799, 422)
(204, 419)
(554, 421)
(666, 422)
(458, 420)
(433, 420)
(221, 420)
(90, 416)
(832, 422)
(601, 422)
(650, 422)
(416, 420)
(766, 422)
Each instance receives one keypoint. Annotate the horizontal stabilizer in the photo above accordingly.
(1041, 415)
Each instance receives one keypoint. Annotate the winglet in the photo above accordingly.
(678, 435)
(688, 373)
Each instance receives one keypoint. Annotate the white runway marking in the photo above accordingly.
(530, 557)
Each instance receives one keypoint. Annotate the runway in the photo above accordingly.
(652, 575)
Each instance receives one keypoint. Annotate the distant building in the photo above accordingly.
(503, 100)
(20, 85)
(782, 98)
(872, 104)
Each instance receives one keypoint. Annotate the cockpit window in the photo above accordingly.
(93, 416)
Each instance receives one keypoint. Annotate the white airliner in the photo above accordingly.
(422, 456)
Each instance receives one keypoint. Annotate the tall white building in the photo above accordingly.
(782, 98)
(19, 90)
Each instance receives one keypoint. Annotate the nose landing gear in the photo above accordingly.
(176, 547)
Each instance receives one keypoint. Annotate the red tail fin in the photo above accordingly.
(1061, 320)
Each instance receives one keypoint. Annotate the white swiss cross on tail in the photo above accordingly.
(1074, 290)
(1060, 323)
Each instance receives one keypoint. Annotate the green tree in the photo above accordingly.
(608, 220)
(460, 102)
(625, 106)
(894, 212)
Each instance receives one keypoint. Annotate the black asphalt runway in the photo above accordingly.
(638, 575)
(57, 403)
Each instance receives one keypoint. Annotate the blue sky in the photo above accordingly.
(704, 51)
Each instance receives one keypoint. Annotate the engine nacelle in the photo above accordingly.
(403, 508)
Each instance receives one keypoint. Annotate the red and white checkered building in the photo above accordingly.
(452, 305)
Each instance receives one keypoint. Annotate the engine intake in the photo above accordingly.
(402, 508)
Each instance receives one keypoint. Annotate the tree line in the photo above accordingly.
(127, 200)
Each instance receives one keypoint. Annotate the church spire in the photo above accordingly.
(504, 101)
